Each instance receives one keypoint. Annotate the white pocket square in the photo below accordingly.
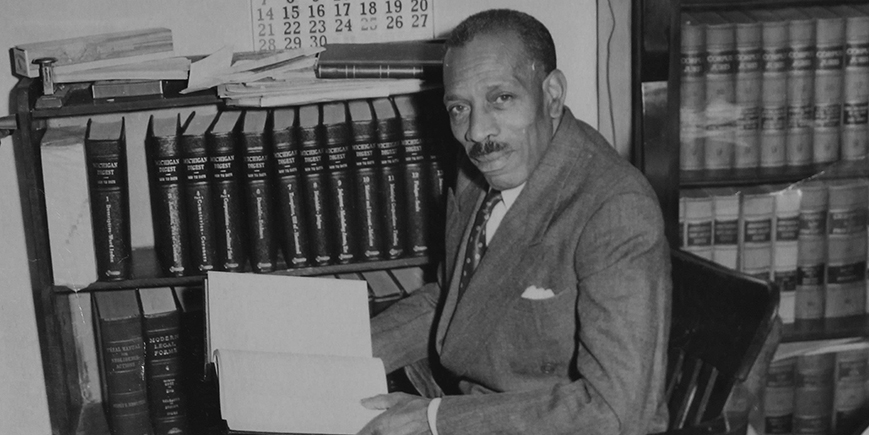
(536, 293)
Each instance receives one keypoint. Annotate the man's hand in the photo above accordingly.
(405, 415)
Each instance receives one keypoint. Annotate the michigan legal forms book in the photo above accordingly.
(292, 354)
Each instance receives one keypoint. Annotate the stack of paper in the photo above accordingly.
(284, 78)
(292, 354)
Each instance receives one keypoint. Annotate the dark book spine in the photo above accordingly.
(229, 217)
(316, 193)
(391, 187)
(341, 193)
(295, 240)
(258, 195)
(366, 157)
(167, 207)
(378, 71)
(126, 400)
(164, 374)
(110, 208)
(416, 189)
(198, 200)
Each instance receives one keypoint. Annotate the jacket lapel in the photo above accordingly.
(488, 294)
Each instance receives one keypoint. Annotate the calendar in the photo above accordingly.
(287, 24)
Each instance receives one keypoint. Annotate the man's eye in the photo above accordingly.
(457, 110)
(501, 99)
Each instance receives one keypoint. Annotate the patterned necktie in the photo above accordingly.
(477, 239)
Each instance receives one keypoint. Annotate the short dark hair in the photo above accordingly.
(533, 34)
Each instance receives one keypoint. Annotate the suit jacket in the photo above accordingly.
(591, 359)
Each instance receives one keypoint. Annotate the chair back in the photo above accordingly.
(720, 320)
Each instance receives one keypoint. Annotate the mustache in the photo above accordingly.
(479, 149)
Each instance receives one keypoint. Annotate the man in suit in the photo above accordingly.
(553, 313)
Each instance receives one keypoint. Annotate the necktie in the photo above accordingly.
(477, 239)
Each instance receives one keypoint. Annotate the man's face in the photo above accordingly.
(495, 98)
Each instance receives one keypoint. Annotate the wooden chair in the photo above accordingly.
(721, 322)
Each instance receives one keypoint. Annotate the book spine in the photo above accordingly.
(855, 120)
(813, 393)
(725, 229)
(811, 253)
(720, 97)
(377, 71)
(366, 157)
(123, 350)
(341, 193)
(845, 289)
(416, 189)
(316, 191)
(756, 235)
(693, 95)
(257, 170)
(800, 89)
(682, 224)
(390, 183)
(229, 217)
(830, 41)
(110, 208)
(165, 382)
(786, 250)
(747, 93)
(167, 206)
(850, 401)
(198, 201)
(294, 233)
(773, 117)
(778, 402)
(698, 224)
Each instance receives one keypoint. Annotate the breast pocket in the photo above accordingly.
(541, 334)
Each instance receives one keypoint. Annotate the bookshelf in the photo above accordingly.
(67, 411)
(657, 87)
(657, 43)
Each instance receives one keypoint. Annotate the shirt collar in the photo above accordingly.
(509, 196)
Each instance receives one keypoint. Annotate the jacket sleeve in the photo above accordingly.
(400, 334)
(623, 271)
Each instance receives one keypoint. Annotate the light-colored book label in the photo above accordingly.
(692, 93)
(811, 270)
(829, 51)
(855, 109)
(720, 97)
(800, 90)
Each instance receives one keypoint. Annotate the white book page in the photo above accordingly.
(287, 314)
(270, 392)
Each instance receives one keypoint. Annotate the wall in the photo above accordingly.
(199, 27)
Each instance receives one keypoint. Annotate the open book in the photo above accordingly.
(292, 354)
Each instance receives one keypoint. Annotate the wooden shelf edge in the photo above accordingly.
(150, 278)
(823, 329)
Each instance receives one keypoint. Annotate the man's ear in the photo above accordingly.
(554, 92)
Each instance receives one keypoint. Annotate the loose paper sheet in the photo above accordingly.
(288, 314)
(268, 392)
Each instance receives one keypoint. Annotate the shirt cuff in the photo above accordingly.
(432, 413)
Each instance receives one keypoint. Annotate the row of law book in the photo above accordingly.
(774, 88)
(151, 344)
(819, 387)
(256, 190)
(810, 238)
(332, 183)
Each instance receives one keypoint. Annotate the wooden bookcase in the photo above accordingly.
(55, 341)
(656, 56)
